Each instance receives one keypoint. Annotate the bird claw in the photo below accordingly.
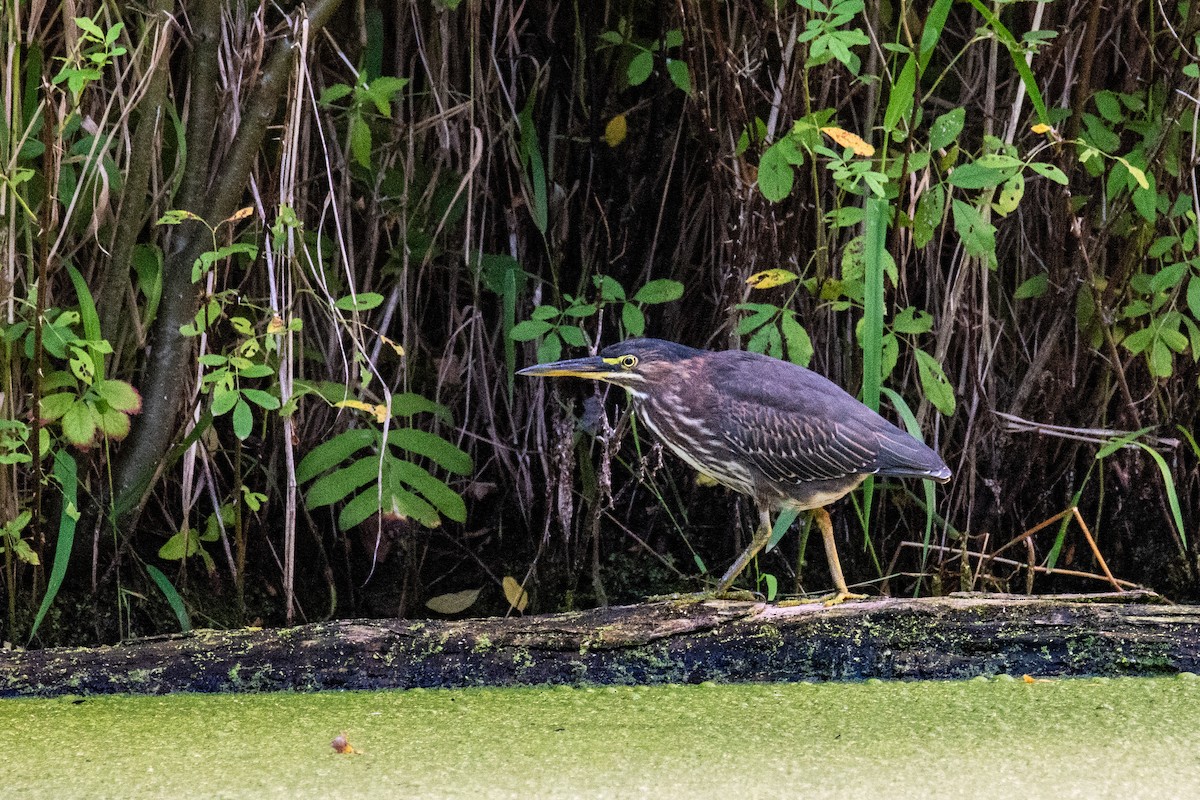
(840, 597)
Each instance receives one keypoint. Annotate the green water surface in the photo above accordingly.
(1097, 738)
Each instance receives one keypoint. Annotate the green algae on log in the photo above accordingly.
(668, 641)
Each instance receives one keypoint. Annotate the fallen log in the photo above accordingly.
(667, 641)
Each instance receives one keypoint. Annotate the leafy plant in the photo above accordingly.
(369, 100)
(641, 56)
(557, 325)
(374, 468)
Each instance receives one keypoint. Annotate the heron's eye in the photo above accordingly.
(628, 362)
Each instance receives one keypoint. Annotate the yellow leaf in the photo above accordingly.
(276, 325)
(517, 597)
(1041, 127)
(241, 214)
(453, 602)
(616, 130)
(359, 404)
(1137, 174)
(394, 345)
(770, 278)
(849, 140)
(706, 480)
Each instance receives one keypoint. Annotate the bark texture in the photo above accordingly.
(660, 642)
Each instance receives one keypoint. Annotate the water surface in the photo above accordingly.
(1083, 738)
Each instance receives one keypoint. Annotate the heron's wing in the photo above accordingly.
(793, 449)
(797, 426)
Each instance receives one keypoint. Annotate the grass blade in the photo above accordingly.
(66, 472)
(173, 598)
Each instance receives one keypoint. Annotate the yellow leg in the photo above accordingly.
(821, 516)
(761, 537)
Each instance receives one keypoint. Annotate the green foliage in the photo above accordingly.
(369, 102)
(97, 50)
(556, 326)
(372, 471)
(11, 541)
(828, 33)
(190, 542)
(66, 473)
(641, 56)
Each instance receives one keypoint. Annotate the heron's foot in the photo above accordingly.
(839, 597)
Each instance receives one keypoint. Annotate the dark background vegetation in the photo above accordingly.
(394, 235)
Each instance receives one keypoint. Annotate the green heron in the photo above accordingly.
(772, 430)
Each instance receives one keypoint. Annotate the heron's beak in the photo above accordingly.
(593, 367)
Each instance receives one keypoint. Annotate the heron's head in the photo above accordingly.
(639, 365)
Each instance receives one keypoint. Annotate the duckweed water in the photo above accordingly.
(1097, 738)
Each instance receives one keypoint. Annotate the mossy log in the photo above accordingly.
(658, 642)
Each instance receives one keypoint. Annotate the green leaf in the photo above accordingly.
(407, 504)
(912, 321)
(640, 68)
(433, 447)
(930, 208)
(1138, 341)
(1108, 105)
(1168, 277)
(54, 406)
(978, 235)
(1145, 200)
(224, 400)
(112, 423)
(529, 329)
(360, 140)
(633, 319)
(447, 501)
(1193, 296)
(180, 546)
(1172, 496)
(406, 404)
(1033, 287)
(799, 345)
(978, 176)
(66, 473)
(775, 172)
(680, 76)
(243, 420)
(900, 100)
(1049, 171)
(120, 395)
(172, 596)
(934, 383)
(945, 129)
(573, 335)
(1011, 193)
(360, 508)
(334, 93)
(1162, 363)
(338, 484)
(261, 399)
(610, 288)
(78, 425)
(333, 452)
(363, 301)
(550, 349)
(663, 290)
